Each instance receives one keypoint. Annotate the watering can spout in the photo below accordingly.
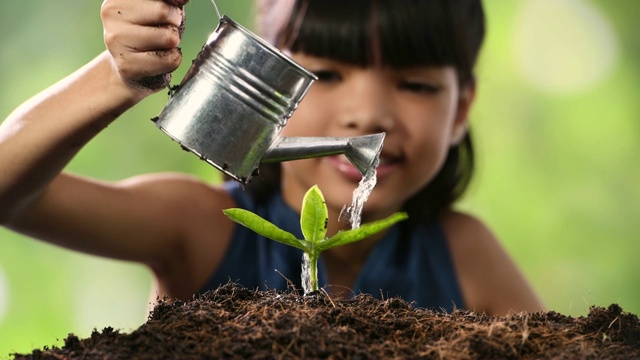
(362, 151)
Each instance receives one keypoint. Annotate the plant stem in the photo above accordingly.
(313, 270)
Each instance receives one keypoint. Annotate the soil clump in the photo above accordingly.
(233, 322)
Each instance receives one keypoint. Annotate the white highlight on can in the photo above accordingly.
(564, 46)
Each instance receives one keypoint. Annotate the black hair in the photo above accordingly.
(395, 33)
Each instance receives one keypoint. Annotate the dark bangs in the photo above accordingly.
(390, 33)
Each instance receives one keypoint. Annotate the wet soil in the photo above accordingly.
(237, 323)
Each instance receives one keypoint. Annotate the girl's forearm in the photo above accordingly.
(41, 136)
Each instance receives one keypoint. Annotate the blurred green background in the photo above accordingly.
(556, 125)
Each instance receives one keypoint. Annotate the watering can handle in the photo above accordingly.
(217, 11)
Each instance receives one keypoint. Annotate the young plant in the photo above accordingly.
(313, 222)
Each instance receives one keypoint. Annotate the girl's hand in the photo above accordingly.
(142, 37)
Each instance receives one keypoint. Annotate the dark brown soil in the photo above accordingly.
(234, 322)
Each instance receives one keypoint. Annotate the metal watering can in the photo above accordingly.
(234, 101)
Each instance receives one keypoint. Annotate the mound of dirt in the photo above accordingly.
(233, 322)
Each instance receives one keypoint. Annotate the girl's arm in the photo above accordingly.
(158, 220)
(41, 136)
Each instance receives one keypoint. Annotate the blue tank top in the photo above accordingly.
(417, 268)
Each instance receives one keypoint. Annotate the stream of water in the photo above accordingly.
(306, 273)
(353, 213)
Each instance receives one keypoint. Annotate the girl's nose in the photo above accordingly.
(367, 103)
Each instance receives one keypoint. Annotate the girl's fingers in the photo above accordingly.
(141, 12)
(142, 37)
(154, 63)
(178, 3)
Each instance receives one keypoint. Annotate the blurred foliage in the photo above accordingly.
(557, 179)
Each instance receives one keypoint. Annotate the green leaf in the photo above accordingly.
(348, 236)
(263, 227)
(314, 215)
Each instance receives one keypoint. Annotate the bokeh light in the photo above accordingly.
(564, 46)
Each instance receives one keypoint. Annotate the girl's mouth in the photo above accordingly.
(340, 162)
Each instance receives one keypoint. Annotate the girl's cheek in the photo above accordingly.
(303, 121)
(310, 111)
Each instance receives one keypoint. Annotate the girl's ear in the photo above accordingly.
(461, 121)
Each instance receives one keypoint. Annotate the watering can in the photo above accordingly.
(234, 101)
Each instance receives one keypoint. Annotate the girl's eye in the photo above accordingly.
(419, 87)
(328, 75)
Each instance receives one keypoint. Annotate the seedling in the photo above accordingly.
(313, 222)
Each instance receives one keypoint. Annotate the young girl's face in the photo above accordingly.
(423, 111)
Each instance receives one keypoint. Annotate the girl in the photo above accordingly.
(403, 68)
